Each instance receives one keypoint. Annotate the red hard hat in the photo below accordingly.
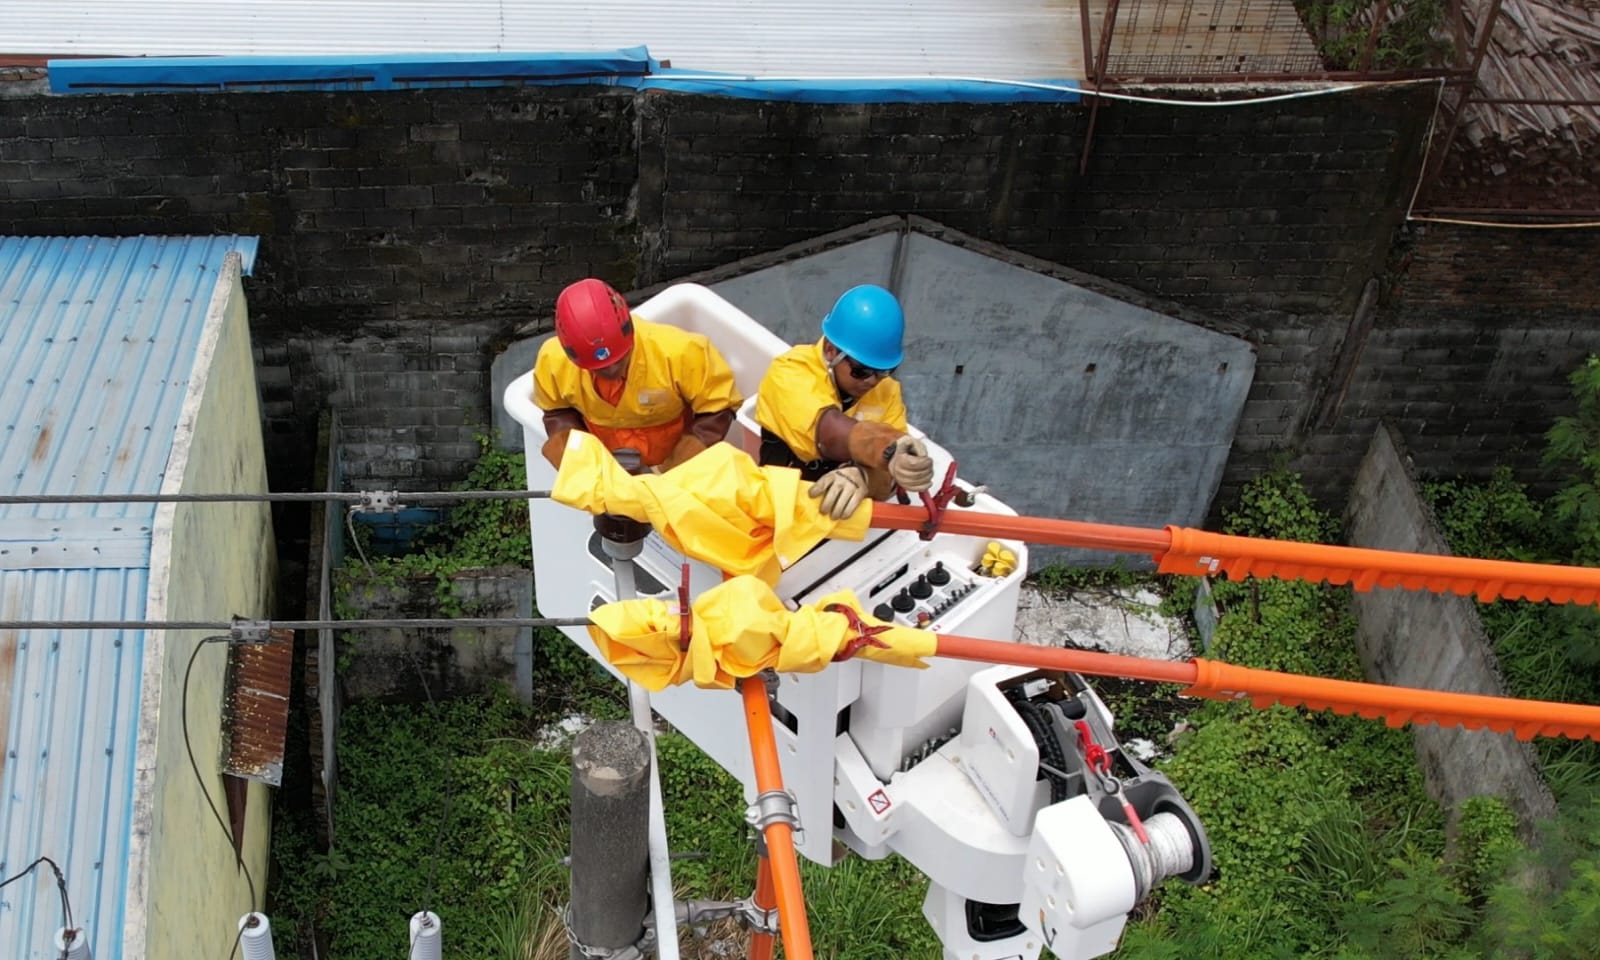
(593, 324)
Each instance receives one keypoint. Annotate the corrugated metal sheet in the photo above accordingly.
(833, 38)
(68, 776)
(97, 337)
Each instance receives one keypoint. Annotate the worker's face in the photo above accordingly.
(856, 379)
(615, 370)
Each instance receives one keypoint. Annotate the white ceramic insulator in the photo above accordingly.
(255, 937)
(427, 943)
(76, 949)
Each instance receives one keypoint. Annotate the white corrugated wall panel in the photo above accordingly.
(833, 38)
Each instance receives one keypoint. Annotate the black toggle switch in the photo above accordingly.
(920, 588)
(902, 602)
(939, 576)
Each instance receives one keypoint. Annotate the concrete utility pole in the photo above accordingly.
(610, 841)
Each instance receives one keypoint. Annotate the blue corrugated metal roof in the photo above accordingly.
(97, 340)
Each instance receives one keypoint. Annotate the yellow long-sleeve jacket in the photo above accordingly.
(673, 377)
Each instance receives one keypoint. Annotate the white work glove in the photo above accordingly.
(910, 465)
(841, 491)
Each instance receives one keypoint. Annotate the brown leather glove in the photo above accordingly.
(687, 446)
(841, 491)
(555, 447)
(879, 446)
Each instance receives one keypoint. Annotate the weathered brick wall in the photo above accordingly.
(1469, 351)
(1271, 217)
(404, 234)
(1283, 208)
(401, 233)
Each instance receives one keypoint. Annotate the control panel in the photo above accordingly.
(921, 595)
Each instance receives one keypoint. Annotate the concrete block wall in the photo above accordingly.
(401, 233)
(407, 234)
(1281, 209)
(1468, 353)
(1415, 639)
(418, 665)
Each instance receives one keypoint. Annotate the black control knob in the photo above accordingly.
(920, 588)
(883, 611)
(939, 576)
(902, 602)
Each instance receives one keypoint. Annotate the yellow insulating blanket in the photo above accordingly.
(738, 629)
(718, 506)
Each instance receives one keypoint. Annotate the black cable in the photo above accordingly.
(183, 712)
(237, 938)
(61, 887)
(449, 797)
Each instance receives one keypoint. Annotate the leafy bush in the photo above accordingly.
(1307, 813)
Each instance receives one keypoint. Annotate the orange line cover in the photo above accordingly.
(1264, 688)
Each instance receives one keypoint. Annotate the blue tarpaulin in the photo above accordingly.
(627, 67)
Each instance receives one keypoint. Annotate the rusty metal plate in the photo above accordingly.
(255, 710)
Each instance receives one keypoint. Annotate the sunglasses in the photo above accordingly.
(861, 372)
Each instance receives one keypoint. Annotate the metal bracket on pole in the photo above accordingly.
(379, 501)
(775, 806)
(250, 631)
(756, 919)
(645, 946)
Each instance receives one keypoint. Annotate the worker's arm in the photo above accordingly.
(833, 433)
(557, 424)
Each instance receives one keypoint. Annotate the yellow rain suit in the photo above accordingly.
(673, 377)
(718, 507)
(738, 629)
(795, 392)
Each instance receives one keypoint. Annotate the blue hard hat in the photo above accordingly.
(868, 325)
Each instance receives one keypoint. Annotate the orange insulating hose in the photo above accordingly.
(766, 897)
(784, 864)
(1397, 705)
(1072, 661)
(1198, 551)
(1184, 550)
(1264, 688)
(1000, 526)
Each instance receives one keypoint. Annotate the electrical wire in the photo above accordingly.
(355, 538)
(1427, 147)
(1575, 225)
(61, 887)
(205, 791)
(1058, 87)
(444, 816)
(1171, 102)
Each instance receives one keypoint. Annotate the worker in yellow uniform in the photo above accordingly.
(833, 410)
(653, 388)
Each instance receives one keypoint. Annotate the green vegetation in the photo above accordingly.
(1411, 39)
(1325, 845)
(452, 807)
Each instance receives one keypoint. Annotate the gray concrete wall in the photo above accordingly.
(1417, 639)
(419, 664)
